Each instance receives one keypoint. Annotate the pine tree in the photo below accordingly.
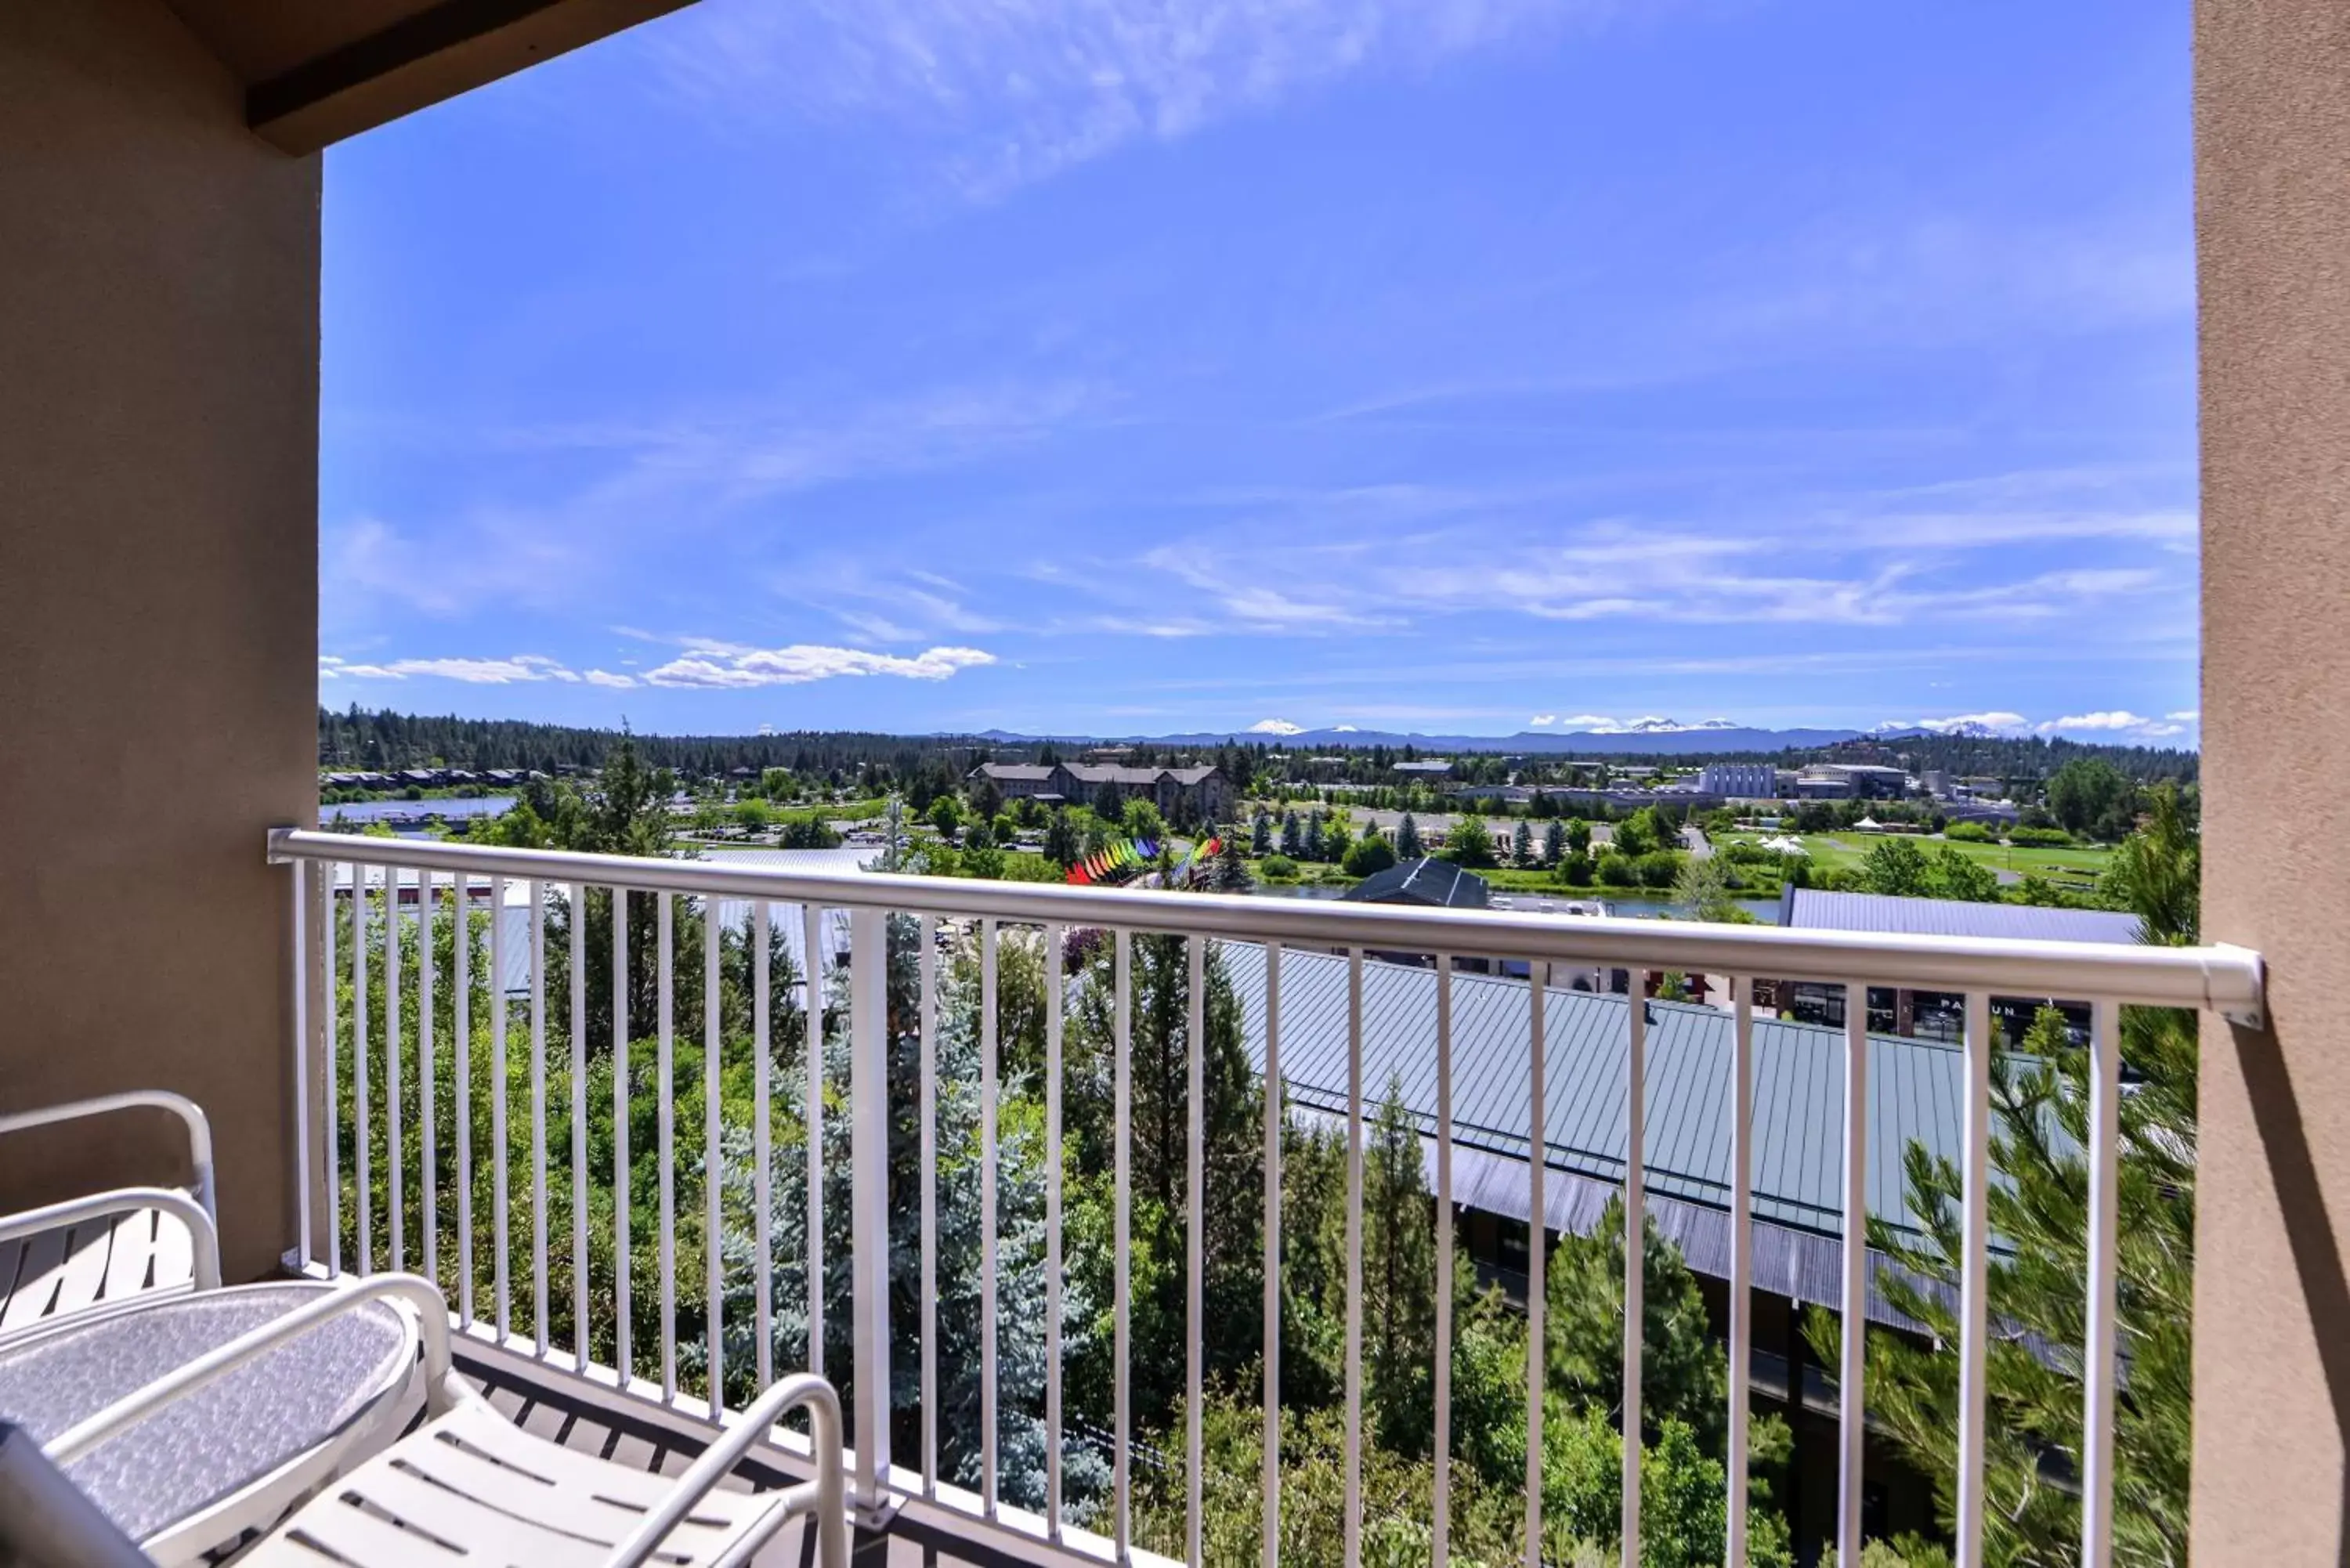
(1522, 844)
(1408, 839)
(1228, 872)
(2040, 1100)
(1553, 843)
(1158, 1124)
(1061, 840)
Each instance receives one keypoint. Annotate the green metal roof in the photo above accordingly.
(1916, 1086)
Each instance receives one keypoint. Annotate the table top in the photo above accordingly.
(224, 1438)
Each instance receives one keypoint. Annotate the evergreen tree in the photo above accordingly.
(1228, 872)
(1522, 844)
(986, 798)
(1158, 1124)
(1682, 1371)
(2040, 1103)
(1020, 1222)
(1260, 834)
(2158, 871)
(1293, 835)
(1408, 845)
(1553, 843)
(623, 810)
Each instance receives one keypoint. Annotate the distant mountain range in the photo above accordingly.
(1648, 737)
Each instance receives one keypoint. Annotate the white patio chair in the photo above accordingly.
(466, 1486)
(108, 1249)
(236, 1456)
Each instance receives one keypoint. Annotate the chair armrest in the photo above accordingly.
(126, 1201)
(421, 1295)
(192, 1115)
(825, 1496)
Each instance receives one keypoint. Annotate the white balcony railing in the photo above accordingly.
(358, 902)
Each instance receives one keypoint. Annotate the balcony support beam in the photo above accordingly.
(437, 53)
(2271, 1285)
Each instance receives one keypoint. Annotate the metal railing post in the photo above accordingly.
(868, 1156)
(333, 1141)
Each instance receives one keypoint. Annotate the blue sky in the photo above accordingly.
(1137, 366)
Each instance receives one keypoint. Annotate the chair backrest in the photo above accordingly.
(47, 1522)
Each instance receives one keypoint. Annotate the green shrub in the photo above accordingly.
(1368, 856)
(2038, 837)
(1614, 871)
(1277, 868)
(1658, 868)
(1968, 832)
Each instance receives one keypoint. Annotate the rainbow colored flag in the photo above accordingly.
(1115, 862)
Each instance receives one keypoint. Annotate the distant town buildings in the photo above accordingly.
(1740, 781)
(1195, 793)
(1851, 780)
(427, 778)
(1933, 1016)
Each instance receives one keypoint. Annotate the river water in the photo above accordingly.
(451, 810)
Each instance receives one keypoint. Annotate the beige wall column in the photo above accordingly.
(2273, 1307)
(158, 402)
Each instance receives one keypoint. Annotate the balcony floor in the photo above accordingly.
(544, 1406)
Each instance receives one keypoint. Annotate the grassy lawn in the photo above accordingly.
(1759, 883)
(1835, 850)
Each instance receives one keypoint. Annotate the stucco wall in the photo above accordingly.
(159, 397)
(2273, 1311)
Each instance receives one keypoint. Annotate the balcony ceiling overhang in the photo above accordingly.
(316, 71)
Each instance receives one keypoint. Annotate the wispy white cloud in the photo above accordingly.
(1559, 584)
(2186, 716)
(1934, 277)
(520, 668)
(705, 664)
(1543, 721)
(1255, 605)
(1009, 92)
(724, 666)
(491, 556)
(2111, 719)
(589, 545)
(2114, 721)
(907, 609)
